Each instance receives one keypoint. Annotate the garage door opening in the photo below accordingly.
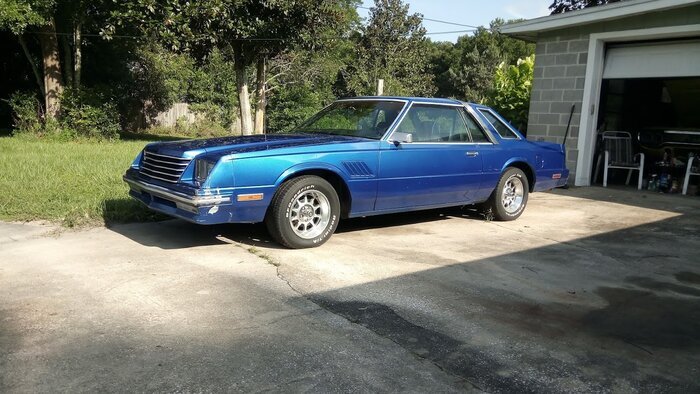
(651, 92)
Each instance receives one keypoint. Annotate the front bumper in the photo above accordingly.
(208, 206)
(190, 203)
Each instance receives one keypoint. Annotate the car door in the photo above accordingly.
(441, 166)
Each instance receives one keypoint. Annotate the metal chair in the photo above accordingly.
(688, 173)
(618, 155)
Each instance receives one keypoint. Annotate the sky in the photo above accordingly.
(468, 12)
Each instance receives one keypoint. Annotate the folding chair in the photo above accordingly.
(618, 155)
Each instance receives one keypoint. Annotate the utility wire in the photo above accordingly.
(435, 20)
(110, 36)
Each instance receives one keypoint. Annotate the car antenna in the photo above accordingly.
(568, 124)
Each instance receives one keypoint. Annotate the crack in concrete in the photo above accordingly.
(271, 261)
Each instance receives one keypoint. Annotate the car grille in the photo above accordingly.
(162, 167)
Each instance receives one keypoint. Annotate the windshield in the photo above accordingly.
(366, 119)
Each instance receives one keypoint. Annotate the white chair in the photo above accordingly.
(688, 173)
(618, 155)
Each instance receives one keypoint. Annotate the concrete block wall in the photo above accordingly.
(560, 70)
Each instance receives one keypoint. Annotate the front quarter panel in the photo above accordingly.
(357, 168)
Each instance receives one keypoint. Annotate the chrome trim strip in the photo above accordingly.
(162, 192)
(162, 179)
(176, 176)
(166, 156)
(161, 167)
(166, 162)
(379, 98)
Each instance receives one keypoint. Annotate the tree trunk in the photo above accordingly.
(78, 54)
(67, 61)
(243, 96)
(53, 82)
(35, 69)
(261, 97)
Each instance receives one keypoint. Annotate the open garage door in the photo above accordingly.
(652, 91)
(653, 60)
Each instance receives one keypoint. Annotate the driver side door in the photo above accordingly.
(441, 166)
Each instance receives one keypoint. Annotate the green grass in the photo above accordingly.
(72, 183)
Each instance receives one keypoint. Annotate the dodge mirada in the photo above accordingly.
(356, 157)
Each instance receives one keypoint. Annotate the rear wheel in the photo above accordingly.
(304, 212)
(509, 199)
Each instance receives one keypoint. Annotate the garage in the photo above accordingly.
(651, 91)
(631, 67)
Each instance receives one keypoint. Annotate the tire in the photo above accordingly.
(509, 199)
(304, 212)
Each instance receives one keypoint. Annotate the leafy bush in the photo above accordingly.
(82, 115)
(27, 113)
(510, 95)
(89, 115)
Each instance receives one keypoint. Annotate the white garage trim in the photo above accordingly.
(594, 76)
(529, 29)
(651, 60)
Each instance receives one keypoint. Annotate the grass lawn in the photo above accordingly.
(72, 183)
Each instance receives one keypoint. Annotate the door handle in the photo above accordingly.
(472, 154)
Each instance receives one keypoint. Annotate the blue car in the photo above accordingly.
(357, 157)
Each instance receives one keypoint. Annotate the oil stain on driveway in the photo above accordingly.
(591, 290)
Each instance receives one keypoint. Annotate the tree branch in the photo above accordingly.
(35, 69)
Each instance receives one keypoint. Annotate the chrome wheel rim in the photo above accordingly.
(310, 214)
(513, 194)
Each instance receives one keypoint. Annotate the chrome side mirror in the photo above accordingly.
(399, 138)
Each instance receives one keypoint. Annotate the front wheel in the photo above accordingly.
(509, 199)
(304, 212)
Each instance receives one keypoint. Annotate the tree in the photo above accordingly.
(392, 47)
(477, 58)
(561, 6)
(510, 92)
(443, 55)
(20, 15)
(246, 32)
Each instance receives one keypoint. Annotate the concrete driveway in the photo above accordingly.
(590, 290)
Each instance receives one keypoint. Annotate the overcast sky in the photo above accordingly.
(469, 12)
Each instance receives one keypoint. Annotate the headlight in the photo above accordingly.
(202, 169)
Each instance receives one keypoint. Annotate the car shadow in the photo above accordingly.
(166, 233)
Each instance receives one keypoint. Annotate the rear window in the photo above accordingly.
(503, 130)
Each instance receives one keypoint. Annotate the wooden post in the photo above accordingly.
(380, 87)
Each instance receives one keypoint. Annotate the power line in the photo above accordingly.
(435, 20)
(450, 32)
(110, 36)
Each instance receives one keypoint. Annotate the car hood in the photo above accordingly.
(253, 143)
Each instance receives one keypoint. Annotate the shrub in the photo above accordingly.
(510, 95)
(83, 114)
(27, 113)
(88, 114)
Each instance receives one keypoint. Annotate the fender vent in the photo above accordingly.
(358, 169)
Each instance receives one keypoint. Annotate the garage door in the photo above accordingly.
(653, 60)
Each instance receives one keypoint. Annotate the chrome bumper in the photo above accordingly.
(183, 201)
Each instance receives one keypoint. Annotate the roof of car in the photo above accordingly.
(421, 99)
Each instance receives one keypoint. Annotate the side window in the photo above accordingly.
(477, 132)
(503, 130)
(434, 123)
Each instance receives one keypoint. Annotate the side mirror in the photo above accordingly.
(401, 138)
